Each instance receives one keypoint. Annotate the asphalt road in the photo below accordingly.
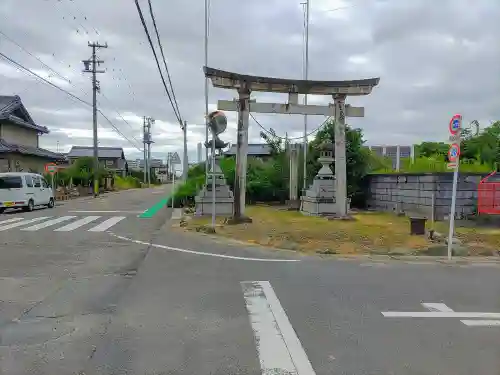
(139, 298)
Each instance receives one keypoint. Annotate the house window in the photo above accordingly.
(109, 163)
(29, 181)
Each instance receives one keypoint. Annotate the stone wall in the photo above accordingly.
(419, 194)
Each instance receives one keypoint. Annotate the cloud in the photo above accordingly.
(434, 59)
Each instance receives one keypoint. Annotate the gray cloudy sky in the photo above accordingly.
(435, 58)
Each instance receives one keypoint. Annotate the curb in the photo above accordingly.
(480, 260)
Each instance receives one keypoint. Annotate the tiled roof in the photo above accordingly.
(6, 147)
(102, 152)
(10, 104)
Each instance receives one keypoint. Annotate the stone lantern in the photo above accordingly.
(319, 199)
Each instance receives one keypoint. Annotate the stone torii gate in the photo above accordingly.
(245, 84)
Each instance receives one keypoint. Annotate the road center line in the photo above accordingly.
(280, 351)
(440, 314)
(203, 253)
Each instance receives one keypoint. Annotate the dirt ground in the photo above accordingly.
(368, 233)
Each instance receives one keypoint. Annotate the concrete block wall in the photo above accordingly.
(419, 194)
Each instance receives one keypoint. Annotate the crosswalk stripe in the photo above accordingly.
(107, 224)
(77, 224)
(10, 220)
(24, 222)
(48, 223)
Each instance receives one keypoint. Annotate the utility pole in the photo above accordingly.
(144, 144)
(306, 77)
(207, 17)
(185, 163)
(90, 66)
(149, 122)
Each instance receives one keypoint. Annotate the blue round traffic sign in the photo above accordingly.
(454, 152)
(455, 124)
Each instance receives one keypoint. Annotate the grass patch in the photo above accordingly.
(480, 240)
(368, 233)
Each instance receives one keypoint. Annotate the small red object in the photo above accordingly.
(488, 195)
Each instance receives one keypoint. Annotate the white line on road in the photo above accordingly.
(106, 224)
(10, 220)
(77, 224)
(481, 323)
(48, 223)
(202, 253)
(437, 307)
(280, 351)
(440, 314)
(104, 212)
(24, 222)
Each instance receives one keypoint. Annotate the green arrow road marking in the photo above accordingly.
(150, 212)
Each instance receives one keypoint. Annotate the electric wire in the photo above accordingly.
(64, 78)
(293, 138)
(20, 66)
(163, 57)
(177, 115)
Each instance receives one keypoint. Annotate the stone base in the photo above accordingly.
(238, 220)
(223, 206)
(293, 205)
(316, 208)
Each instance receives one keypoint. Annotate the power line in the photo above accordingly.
(35, 57)
(163, 56)
(67, 93)
(156, 58)
(46, 66)
(290, 139)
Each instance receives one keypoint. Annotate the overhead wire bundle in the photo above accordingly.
(170, 92)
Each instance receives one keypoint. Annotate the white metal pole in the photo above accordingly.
(306, 75)
(206, 88)
(452, 211)
(173, 184)
(213, 180)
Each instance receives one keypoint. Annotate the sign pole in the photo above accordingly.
(454, 156)
(173, 185)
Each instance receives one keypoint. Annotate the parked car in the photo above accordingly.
(24, 190)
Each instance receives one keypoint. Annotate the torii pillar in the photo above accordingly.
(245, 84)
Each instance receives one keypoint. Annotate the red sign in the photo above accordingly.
(455, 124)
(51, 168)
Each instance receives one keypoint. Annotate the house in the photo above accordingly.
(19, 139)
(111, 158)
(255, 150)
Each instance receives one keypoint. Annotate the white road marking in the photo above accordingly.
(481, 323)
(48, 223)
(437, 307)
(10, 220)
(202, 253)
(24, 222)
(439, 314)
(104, 212)
(106, 224)
(77, 224)
(280, 351)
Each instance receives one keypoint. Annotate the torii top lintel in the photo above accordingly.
(230, 80)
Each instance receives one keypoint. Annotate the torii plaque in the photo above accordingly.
(245, 84)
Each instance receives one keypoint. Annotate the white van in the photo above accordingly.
(24, 190)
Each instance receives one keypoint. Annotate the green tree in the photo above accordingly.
(358, 158)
